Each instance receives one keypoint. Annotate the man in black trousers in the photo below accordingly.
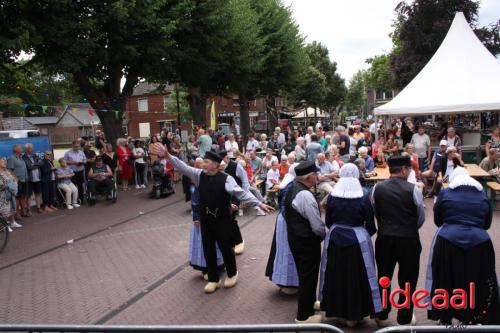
(399, 209)
(216, 189)
(306, 230)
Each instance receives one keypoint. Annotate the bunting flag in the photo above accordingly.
(117, 114)
(25, 106)
(45, 109)
(90, 112)
(74, 109)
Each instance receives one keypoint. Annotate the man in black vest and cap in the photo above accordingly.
(400, 212)
(306, 230)
(239, 174)
(216, 189)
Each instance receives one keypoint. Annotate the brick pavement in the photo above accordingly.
(102, 278)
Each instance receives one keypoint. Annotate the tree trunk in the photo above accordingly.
(244, 116)
(272, 118)
(197, 104)
(112, 125)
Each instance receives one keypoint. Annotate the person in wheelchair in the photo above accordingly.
(163, 173)
(100, 179)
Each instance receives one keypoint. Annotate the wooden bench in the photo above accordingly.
(494, 189)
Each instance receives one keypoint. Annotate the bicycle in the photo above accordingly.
(4, 235)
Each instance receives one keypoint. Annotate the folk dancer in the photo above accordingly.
(216, 189)
(462, 253)
(281, 268)
(399, 209)
(348, 279)
(306, 230)
(196, 254)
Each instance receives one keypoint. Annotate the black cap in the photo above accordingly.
(305, 168)
(223, 153)
(399, 161)
(209, 155)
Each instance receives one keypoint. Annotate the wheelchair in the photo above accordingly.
(100, 193)
(163, 184)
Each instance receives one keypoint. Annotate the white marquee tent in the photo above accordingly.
(462, 76)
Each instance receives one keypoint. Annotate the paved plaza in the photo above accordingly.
(127, 264)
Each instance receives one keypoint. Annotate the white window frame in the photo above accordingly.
(140, 104)
(166, 100)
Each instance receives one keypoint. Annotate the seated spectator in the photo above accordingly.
(327, 175)
(410, 149)
(252, 143)
(100, 179)
(434, 168)
(273, 175)
(283, 169)
(334, 157)
(360, 163)
(300, 149)
(412, 177)
(449, 162)
(70, 191)
(491, 163)
(363, 153)
(291, 158)
(380, 160)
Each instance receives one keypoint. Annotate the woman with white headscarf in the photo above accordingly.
(348, 279)
(281, 269)
(462, 252)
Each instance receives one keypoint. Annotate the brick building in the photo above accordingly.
(146, 111)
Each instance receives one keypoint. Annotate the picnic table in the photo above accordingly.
(382, 174)
(475, 171)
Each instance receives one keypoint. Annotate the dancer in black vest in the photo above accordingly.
(399, 209)
(306, 230)
(239, 174)
(216, 189)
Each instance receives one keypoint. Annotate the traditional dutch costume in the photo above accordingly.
(462, 252)
(348, 280)
(281, 268)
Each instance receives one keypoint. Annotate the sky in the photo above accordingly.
(354, 30)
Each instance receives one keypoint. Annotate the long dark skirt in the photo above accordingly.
(454, 268)
(270, 260)
(346, 292)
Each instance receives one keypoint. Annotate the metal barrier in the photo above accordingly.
(442, 328)
(170, 328)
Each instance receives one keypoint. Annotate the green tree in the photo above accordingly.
(356, 93)
(242, 67)
(378, 76)
(182, 110)
(336, 89)
(284, 59)
(99, 43)
(421, 26)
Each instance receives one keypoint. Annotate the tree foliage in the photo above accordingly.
(356, 93)
(421, 26)
(378, 76)
(322, 87)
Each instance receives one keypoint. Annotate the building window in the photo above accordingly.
(388, 94)
(143, 104)
(166, 101)
(379, 95)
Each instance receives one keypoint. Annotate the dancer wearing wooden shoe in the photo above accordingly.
(306, 230)
(216, 189)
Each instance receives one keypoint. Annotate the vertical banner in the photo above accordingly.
(212, 116)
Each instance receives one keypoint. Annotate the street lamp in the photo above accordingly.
(176, 85)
